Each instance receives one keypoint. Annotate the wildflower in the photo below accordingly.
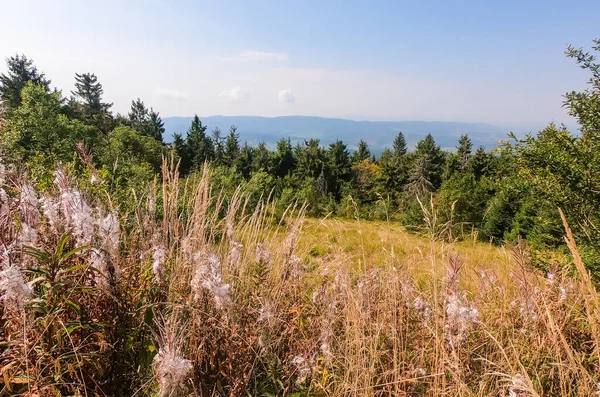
(419, 373)
(263, 256)
(420, 305)
(159, 256)
(326, 350)
(562, 297)
(51, 211)
(518, 386)
(208, 275)
(107, 274)
(108, 231)
(460, 318)
(172, 372)
(28, 204)
(264, 314)
(235, 252)
(488, 280)
(302, 369)
(151, 204)
(79, 215)
(29, 235)
(15, 293)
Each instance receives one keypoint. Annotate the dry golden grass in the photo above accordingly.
(236, 301)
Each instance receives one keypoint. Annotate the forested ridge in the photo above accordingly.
(497, 193)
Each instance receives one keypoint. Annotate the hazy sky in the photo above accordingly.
(500, 62)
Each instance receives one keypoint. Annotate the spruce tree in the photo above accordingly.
(232, 146)
(155, 126)
(399, 144)
(361, 153)
(217, 144)
(339, 167)
(88, 92)
(196, 142)
(464, 151)
(20, 71)
(284, 161)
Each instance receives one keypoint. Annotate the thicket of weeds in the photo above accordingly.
(192, 294)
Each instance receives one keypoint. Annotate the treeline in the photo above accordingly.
(513, 190)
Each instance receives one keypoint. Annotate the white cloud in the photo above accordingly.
(257, 56)
(237, 94)
(251, 55)
(170, 94)
(286, 96)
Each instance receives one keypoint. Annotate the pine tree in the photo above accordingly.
(262, 158)
(155, 126)
(138, 116)
(243, 162)
(146, 121)
(339, 167)
(434, 160)
(400, 148)
(20, 71)
(361, 153)
(419, 182)
(89, 94)
(310, 159)
(284, 161)
(480, 163)
(232, 146)
(217, 144)
(197, 142)
(464, 152)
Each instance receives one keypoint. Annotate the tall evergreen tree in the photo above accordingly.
(197, 143)
(433, 162)
(218, 146)
(156, 127)
(20, 71)
(361, 153)
(419, 182)
(88, 92)
(399, 145)
(232, 146)
(262, 158)
(284, 161)
(339, 167)
(146, 121)
(310, 159)
(465, 146)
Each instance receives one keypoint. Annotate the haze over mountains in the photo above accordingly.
(378, 134)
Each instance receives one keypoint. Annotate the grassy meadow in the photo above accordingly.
(194, 294)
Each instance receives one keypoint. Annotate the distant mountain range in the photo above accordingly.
(378, 134)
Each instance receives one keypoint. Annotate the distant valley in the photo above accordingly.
(378, 134)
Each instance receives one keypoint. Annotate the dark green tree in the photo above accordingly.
(339, 167)
(196, 145)
(218, 145)
(429, 163)
(283, 161)
(262, 158)
(232, 146)
(463, 150)
(21, 70)
(362, 152)
(88, 94)
(399, 145)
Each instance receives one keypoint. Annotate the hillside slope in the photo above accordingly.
(379, 134)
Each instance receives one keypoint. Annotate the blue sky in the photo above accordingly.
(500, 62)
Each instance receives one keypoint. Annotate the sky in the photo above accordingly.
(498, 62)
